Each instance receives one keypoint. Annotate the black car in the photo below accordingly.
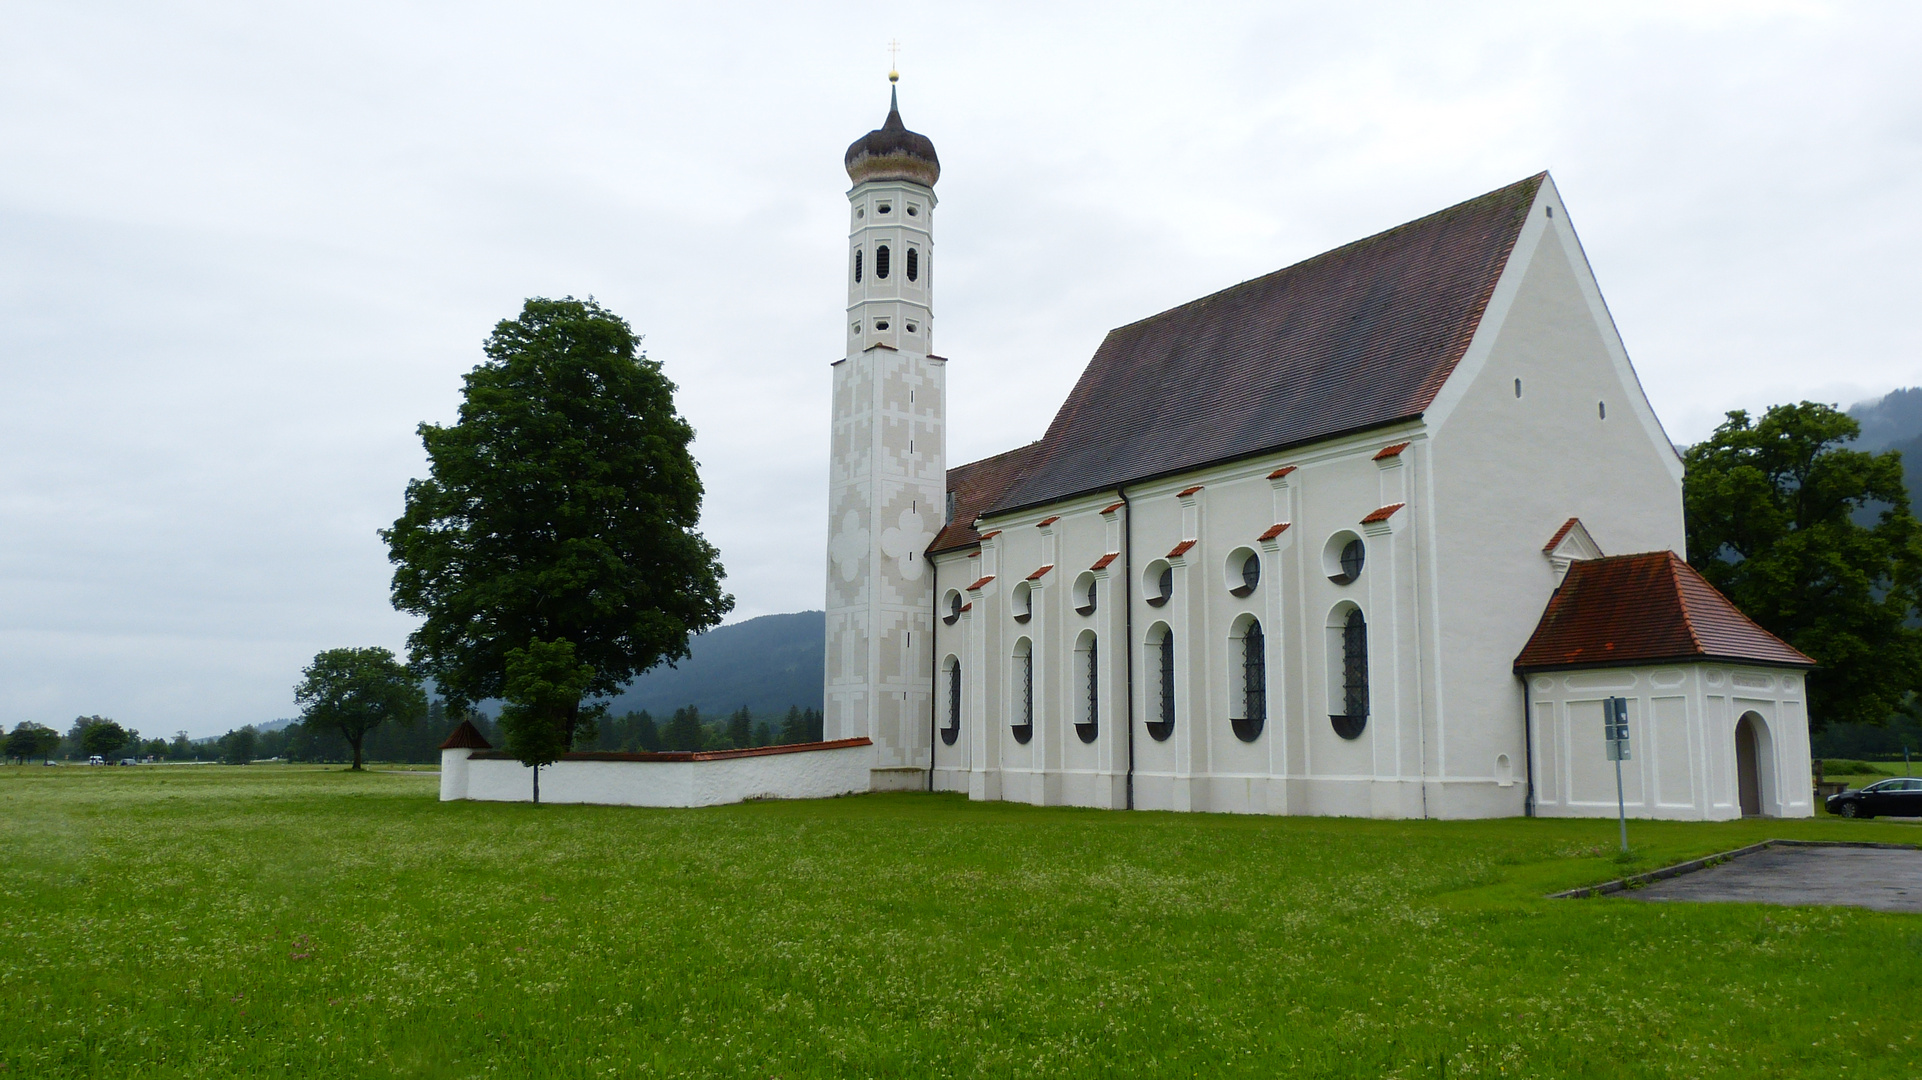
(1900, 797)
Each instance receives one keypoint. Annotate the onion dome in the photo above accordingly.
(892, 152)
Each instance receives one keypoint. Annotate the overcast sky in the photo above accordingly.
(246, 248)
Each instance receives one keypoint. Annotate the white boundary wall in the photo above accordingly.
(805, 771)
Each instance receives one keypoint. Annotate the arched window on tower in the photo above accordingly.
(1250, 689)
(881, 262)
(914, 265)
(857, 266)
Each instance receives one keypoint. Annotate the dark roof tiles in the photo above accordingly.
(1641, 609)
(1352, 339)
(975, 486)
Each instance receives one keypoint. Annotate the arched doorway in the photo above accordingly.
(1749, 763)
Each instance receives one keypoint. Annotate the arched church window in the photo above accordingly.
(1161, 650)
(1087, 723)
(1023, 727)
(881, 262)
(953, 730)
(1353, 653)
(857, 266)
(914, 265)
(1251, 695)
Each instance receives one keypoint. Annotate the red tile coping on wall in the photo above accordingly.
(1281, 472)
(1111, 508)
(1103, 562)
(977, 585)
(466, 737)
(1181, 549)
(1185, 492)
(1274, 531)
(693, 755)
(967, 607)
(1383, 514)
(1644, 609)
(1391, 451)
(991, 534)
(1561, 532)
(1047, 521)
(1036, 576)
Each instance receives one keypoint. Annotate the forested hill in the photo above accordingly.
(1894, 422)
(767, 664)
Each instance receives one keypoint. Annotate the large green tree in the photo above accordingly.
(354, 691)
(1772, 507)
(98, 736)
(562, 507)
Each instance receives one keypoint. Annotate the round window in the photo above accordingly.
(1342, 559)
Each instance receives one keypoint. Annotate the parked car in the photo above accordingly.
(1898, 797)
(128, 761)
(96, 759)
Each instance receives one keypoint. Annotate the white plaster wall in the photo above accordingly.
(810, 774)
(1682, 721)
(1506, 472)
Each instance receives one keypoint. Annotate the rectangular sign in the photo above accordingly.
(1615, 727)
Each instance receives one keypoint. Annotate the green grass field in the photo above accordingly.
(270, 922)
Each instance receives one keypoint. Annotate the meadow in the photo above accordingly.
(287, 922)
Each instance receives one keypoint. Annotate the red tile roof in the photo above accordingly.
(1382, 514)
(991, 534)
(1352, 339)
(981, 583)
(1185, 492)
(1036, 576)
(976, 486)
(1274, 531)
(1391, 451)
(1181, 549)
(1561, 532)
(1111, 508)
(1046, 521)
(466, 737)
(1103, 562)
(1642, 609)
(1281, 472)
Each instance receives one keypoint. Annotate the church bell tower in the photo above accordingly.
(888, 461)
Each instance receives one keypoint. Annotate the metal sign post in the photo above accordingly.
(1615, 737)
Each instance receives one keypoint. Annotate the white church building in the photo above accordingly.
(1375, 534)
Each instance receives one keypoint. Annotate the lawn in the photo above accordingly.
(274, 921)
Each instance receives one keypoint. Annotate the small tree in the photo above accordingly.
(740, 728)
(684, 730)
(545, 684)
(237, 747)
(31, 740)
(354, 691)
(1771, 506)
(99, 736)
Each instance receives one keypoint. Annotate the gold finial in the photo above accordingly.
(894, 50)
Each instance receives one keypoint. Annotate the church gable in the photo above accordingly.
(1355, 338)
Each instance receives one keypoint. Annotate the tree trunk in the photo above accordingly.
(356, 742)
(537, 785)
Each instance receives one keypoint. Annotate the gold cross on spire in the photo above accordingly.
(894, 50)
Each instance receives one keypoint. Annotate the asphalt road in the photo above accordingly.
(1886, 879)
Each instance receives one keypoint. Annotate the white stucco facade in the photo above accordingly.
(1688, 760)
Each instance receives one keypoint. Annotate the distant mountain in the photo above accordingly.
(767, 664)
(1894, 422)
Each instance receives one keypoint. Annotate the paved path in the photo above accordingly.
(1885, 879)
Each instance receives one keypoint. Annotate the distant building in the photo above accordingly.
(1336, 540)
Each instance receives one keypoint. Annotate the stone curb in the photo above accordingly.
(1636, 881)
